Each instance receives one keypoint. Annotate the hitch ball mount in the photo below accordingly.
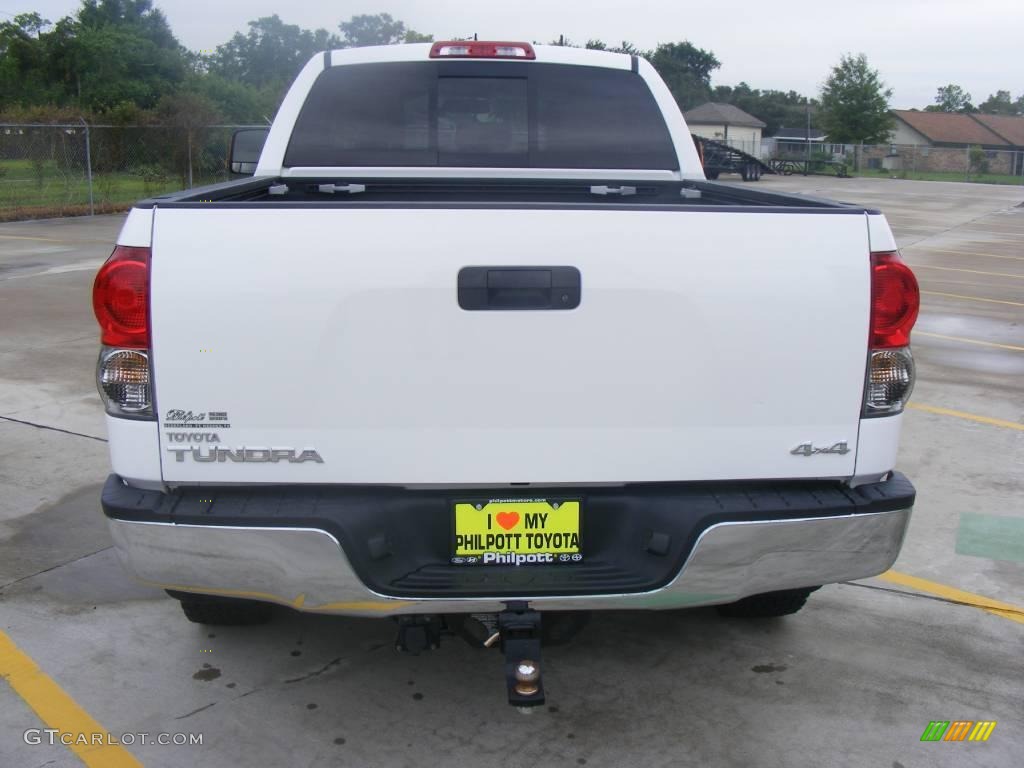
(517, 631)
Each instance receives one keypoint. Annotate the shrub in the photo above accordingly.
(978, 160)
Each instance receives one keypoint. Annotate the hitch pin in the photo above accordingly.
(490, 641)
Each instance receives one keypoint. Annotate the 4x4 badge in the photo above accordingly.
(807, 449)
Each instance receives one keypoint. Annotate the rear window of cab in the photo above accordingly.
(480, 114)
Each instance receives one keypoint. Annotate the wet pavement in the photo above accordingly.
(852, 680)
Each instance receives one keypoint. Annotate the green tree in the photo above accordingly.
(951, 98)
(237, 102)
(247, 76)
(138, 15)
(23, 57)
(28, 26)
(1001, 103)
(626, 47)
(191, 114)
(378, 29)
(107, 65)
(855, 103)
(111, 51)
(270, 54)
(775, 108)
(686, 70)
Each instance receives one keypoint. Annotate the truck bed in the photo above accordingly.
(294, 192)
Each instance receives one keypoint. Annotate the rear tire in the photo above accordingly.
(222, 611)
(711, 175)
(768, 604)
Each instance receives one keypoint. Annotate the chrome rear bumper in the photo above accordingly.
(306, 568)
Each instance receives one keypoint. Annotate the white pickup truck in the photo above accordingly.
(478, 347)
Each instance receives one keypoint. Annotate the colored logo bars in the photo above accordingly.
(958, 730)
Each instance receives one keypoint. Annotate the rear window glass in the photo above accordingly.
(485, 115)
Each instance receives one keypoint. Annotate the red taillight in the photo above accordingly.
(481, 49)
(120, 298)
(895, 300)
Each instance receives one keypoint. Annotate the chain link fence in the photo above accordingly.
(59, 170)
(907, 161)
(904, 161)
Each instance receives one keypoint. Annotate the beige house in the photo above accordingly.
(728, 124)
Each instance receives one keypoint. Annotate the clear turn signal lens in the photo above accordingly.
(890, 381)
(122, 377)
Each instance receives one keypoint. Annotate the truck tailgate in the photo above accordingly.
(706, 345)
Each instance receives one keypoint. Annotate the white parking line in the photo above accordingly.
(78, 266)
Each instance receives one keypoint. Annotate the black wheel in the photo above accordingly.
(768, 604)
(711, 175)
(745, 173)
(222, 611)
(757, 173)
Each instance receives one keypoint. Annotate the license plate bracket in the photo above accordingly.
(517, 531)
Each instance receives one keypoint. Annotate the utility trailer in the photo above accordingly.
(789, 166)
(717, 158)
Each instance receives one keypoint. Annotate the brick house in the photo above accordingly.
(942, 141)
(1011, 129)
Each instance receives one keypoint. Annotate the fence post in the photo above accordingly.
(88, 166)
(967, 164)
(188, 135)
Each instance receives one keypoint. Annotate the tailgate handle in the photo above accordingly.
(483, 288)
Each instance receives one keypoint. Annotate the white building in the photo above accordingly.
(727, 124)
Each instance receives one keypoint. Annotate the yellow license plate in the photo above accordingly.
(517, 532)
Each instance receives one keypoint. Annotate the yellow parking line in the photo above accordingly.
(972, 271)
(968, 416)
(376, 606)
(973, 298)
(995, 607)
(969, 341)
(58, 710)
(960, 253)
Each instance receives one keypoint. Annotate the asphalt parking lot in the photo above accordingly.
(853, 680)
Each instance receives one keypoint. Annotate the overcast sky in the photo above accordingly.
(917, 45)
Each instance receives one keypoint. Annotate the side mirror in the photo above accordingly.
(246, 146)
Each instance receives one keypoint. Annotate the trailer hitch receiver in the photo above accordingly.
(519, 629)
(417, 634)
